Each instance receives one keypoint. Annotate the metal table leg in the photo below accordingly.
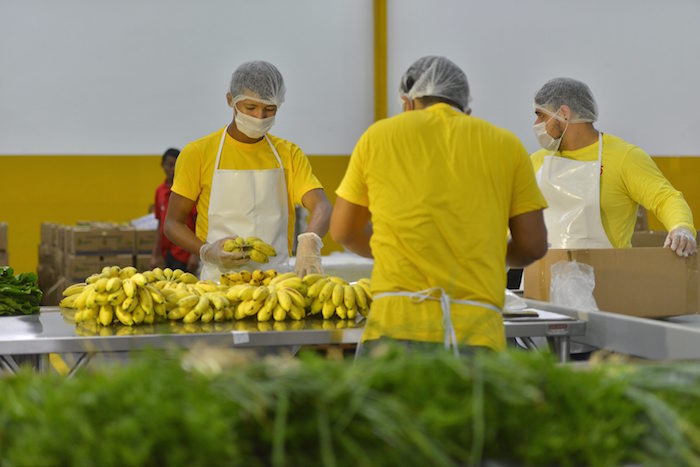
(561, 347)
(82, 361)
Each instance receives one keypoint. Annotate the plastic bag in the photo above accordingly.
(572, 285)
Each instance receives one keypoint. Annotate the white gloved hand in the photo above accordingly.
(682, 241)
(308, 254)
(213, 253)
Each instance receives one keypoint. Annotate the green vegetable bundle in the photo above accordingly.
(518, 408)
(20, 294)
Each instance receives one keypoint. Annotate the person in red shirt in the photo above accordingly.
(165, 252)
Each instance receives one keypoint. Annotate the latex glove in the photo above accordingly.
(682, 241)
(213, 253)
(308, 254)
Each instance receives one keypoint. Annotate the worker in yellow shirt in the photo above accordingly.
(595, 182)
(430, 194)
(245, 182)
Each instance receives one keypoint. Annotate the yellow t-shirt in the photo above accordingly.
(194, 171)
(629, 178)
(440, 186)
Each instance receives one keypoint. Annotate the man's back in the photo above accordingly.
(440, 187)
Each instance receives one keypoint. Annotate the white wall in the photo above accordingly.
(641, 59)
(134, 77)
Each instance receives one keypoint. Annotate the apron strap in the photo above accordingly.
(450, 337)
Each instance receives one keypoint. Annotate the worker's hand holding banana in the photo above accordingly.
(682, 241)
(214, 253)
(308, 254)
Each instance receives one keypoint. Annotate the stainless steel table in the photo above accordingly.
(52, 331)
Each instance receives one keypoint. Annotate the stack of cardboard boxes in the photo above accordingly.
(3, 244)
(69, 254)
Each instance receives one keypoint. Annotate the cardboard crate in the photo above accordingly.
(142, 262)
(47, 232)
(4, 259)
(648, 238)
(79, 267)
(646, 282)
(145, 241)
(59, 236)
(3, 236)
(93, 240)
(57, 262)
(123, 260)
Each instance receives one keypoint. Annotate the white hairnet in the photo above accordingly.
(438, 77)
(566, 91)
(258, 80)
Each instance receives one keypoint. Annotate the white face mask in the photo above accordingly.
(545, 140)
(253, 127)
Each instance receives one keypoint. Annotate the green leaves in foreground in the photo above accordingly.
(397, 409)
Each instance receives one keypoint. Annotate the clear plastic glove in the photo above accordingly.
(308, 254)
(682, 241)
(213, 253)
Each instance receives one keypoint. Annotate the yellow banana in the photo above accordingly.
(101, 284)
(297, 298)
(341, 311)
(360, 297)
(159, 309)
(129, 304)
(365, 287)
(105, 315)
(176, 274)
(69, 301)
(217, 301)
(233, 293)
(74, 289)
(188, 301)
(328, 309)
(90, 302)
(127, 272)
(271, 299)
(258, 275)
(264, 248)
(113, 284)
(81, 299)
(352, 312)
(279, 313)
(258, 257)
(92, 279)
(156, 294)
(316, 306)
(271, 273)
(102, 298)
(312, 278)
(129, 287)
(178, 313)
(188, 278)
(124, 317)
(348, 296)
(265, 313)
(239, 242)
(337, 295)
(296, 313)
(283, 299)
(78, 316)
(337, 280)
(207, 316)
(158, 274)
(148, 319)
(229, 245)
(292, 283)
(280, 277)
(202, 305)
(246, 293)
(145, 300)
(261, 293)
(167, 273)
(139, 315)
(191, 317)
(116, 298)
(250, 240)
(316, 287)
(139, 279)
(326, 291)
(219, 316)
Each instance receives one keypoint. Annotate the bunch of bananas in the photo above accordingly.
(283, 296)
(333, 295)
(203, 301)
(257, 249)
(115, 294)
(257, 277)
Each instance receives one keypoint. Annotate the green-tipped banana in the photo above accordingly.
(74, 289)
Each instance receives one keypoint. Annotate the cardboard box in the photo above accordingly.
(57, 262)
(142, 262)
(47, 231)
(59, 236)
(79, 267)
(649, 238)
(91, 240)
(122, 261)
(3, 236)
(145, 241)
(646, 282)
(4, 259)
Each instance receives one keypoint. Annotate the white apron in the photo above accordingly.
(445, 301)
(249, 203)
(572, 191)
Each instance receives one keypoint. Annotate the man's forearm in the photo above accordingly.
(320, 219)
(181, 235)
(359, 244)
